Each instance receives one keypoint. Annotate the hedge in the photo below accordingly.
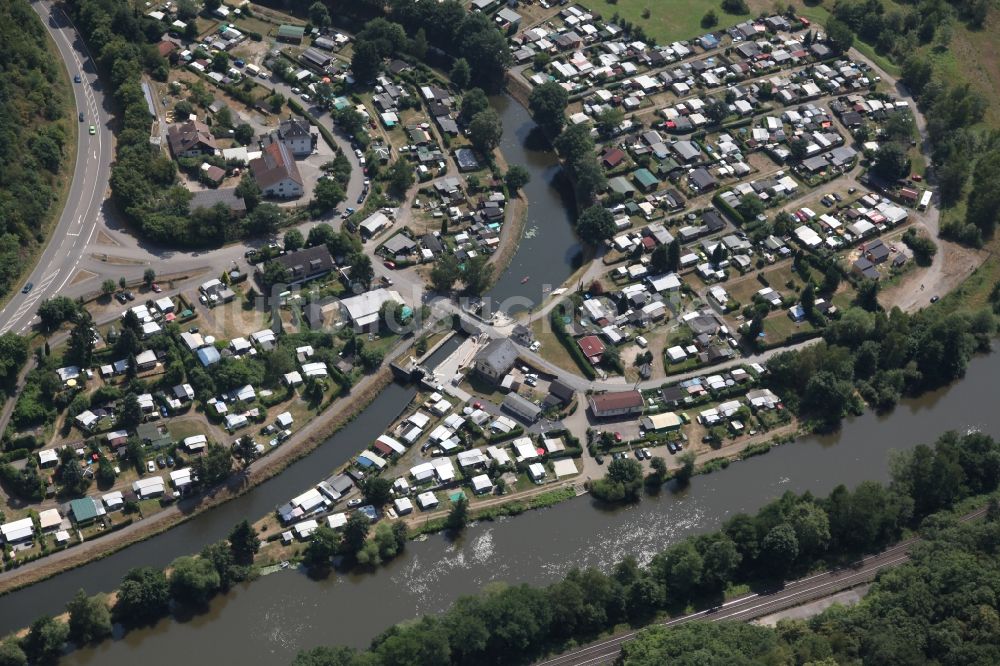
(570, 344)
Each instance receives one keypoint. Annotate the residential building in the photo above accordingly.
(495, 359)
(620, 403)
(276, 173)
(191, 139)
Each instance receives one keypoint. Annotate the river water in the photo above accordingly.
(267, 621)
(549, 250)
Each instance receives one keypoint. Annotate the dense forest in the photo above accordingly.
(33, 136)
(788, 538)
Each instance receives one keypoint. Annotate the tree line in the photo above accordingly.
(33, 137)
(926, 611)
(788, 537)
(877, 357)
(145, 596)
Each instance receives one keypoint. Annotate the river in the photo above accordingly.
(268, 620)
(549, 250)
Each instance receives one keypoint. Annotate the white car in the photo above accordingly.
(641, 341)
(535, 346)
(150, 466)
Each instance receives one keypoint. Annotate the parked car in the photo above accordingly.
(129, 295)
(156, 288)
(121, 298)
(647, 453)
(150, 466)
(161, 462)
(389, 264)
(599, 459)
(170, 461)
(934, 299)
(354, 502)
(672, 447)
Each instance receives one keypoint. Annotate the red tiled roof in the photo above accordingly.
(592, 346)
(615, 401)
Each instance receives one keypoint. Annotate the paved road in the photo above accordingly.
(752, 606)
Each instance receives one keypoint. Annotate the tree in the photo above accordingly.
(366, 62)
(474, 101)
(320, 550)
(319, 16)
(595, 225)
(684, 474)
(81, 339)
(516, 178)
(149, 277)
(53, 312)
(478, 274)
(808, 301)
(868, 295)
(458, 516)
(108, 287)
(710, 19)
(445, 272)
(193, 580)
(243, 542)
(326, 196)
(485, 131)
(839, 35)
(377, 490)
(400, 177)
(243, 134)
(547, 103)
(245, 450)
(143, 597)
(11, 653)
(750, 207)
(349, 120)
(779, 549)
(891, 162)
(275, 273)
(45, 640)
(213, 467)
(249, 191)
(622, 482)
(293, 240)
(361, 269)
(131, 415)
(460, 73)
(355, 533)
(609, 120)
(735, 7)
(418, 45)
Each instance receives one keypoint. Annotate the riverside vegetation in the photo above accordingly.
(791, 536)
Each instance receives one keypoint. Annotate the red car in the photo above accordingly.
(156, 288)
(390, 265)
(618, 437)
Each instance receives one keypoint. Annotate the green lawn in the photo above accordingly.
(667, 22)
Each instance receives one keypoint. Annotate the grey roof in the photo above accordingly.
(499, 355)
(399, 244)
(208, 198)
(561, 390)
(521, 407)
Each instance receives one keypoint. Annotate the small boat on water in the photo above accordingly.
(525, 279)
(284, 564)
